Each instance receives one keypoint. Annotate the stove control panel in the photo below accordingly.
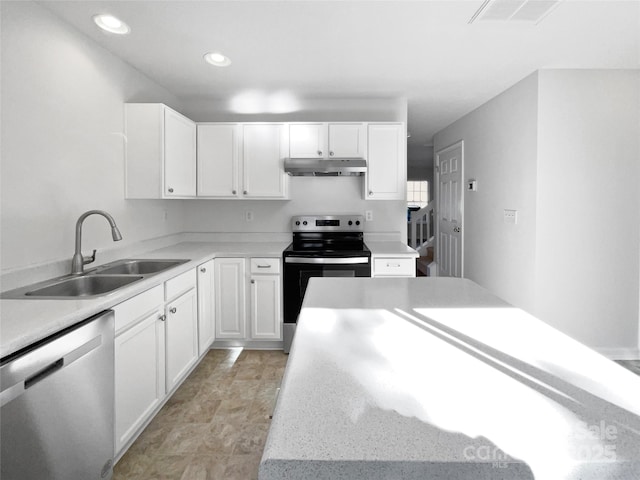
(328, 223)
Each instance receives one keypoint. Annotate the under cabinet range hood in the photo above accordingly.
(314, 167)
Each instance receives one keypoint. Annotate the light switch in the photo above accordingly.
(510, 216)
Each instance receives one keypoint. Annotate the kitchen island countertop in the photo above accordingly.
(437, 378)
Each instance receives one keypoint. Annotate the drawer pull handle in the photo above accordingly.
(264, 266)
(393, 265)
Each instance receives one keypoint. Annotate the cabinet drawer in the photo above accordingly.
(180, 284)
(394, 267)
(265, 265)
(129, 312)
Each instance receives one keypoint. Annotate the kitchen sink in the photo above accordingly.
(93, 283)
(137, 267)
(85, 286)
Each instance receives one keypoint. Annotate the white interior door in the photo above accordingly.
(450, 211)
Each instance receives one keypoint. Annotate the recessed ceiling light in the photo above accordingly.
(217, 59)
(111, 24)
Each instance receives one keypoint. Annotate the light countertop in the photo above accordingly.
(391, 249)
(26, 321)
(437, 378)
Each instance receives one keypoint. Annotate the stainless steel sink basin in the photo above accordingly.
(137, 267)
(85, 286)
(96, 282)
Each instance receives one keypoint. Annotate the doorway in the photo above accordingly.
(450, 210)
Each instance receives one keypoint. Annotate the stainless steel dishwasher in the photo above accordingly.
(57, 405)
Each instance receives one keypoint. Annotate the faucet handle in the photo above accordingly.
(90, 259)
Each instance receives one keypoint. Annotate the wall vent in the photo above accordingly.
(527, 11)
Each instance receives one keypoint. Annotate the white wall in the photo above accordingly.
(563, 148)
(62, 143)
(588, 213)
(500, 153)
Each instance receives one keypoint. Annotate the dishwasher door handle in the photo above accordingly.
(44, 373)
(43, 361)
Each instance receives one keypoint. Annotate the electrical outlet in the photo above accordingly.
(510, 216)
(368, 216)
(248, 216)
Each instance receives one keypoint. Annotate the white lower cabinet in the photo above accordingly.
(230, 297)
(156, 345)
(265, 307)
(139, 375)
(181, 337)
(394, 267)
(206, 307)
(264, 302)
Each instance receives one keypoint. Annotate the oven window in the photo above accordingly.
(305, 275)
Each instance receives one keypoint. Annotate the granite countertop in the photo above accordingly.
(391, 249)
(25, 321)
(436, 378)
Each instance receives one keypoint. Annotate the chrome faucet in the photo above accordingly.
(79, 261)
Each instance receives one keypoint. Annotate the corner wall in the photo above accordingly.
(500, 153)
(62, 141)
(588, 217)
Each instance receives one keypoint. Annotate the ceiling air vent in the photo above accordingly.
(528, 11)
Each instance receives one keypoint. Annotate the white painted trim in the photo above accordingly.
(619, 353)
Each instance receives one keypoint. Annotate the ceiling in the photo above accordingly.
(424, 51)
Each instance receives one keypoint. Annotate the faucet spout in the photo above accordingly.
(79, 261)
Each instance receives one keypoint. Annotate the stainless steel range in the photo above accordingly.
(323, 246)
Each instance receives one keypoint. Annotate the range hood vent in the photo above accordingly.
(312, 167)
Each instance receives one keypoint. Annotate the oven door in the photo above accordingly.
(298, 271)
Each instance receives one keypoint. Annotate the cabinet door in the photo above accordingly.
(218, 159)
(387, 162)
(230, 297)
(139, 375)
(347, 140)
(179, 155)
(307, 140)
(181, 337)
(206, 312)
(266, 320)
(263, 152)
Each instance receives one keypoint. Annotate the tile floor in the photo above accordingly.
(215, 424)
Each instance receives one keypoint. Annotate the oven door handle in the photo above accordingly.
(327, 261)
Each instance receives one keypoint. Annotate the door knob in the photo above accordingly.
(162, 318)
(233, 192)
(173, 310)
(203, 270)
(319, 153)
(331, 154)
(457, 229)
(170, 190)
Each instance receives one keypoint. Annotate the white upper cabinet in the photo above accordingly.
(160, 152)
(386, 177)
(347, 140)
(264, 148)
(218, 160)
(243, 160)
(327, 140)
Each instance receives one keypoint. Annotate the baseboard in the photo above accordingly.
(248, 344)
(619, 353)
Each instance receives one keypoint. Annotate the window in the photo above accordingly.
(417, 194)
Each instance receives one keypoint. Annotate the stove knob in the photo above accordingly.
(350, 222)
(304, 223)
(357, 222)
(297, 222)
